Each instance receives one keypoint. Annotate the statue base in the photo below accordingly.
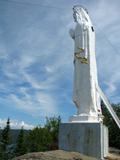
(84, 118)
(90, 139)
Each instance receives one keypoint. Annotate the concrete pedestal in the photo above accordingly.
(87, 138)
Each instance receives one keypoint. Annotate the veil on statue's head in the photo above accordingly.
(80, 14)
(79, 7)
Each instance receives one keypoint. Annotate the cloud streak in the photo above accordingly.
(36, 54)
(15, 124)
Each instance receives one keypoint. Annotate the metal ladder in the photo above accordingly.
(108, 106)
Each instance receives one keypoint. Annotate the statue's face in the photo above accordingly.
(75, 16)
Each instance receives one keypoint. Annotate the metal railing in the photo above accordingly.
(108, 106)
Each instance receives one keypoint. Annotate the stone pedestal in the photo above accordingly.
(83, 118)
(87, 138)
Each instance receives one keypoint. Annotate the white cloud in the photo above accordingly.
(49, 69)
(105, 14)
(48, 103)
(112, 85)
(106, 20)
(3, 54)
(111, 88)
(40, 46)
(15, 124)
(46, 84)
(38, 104)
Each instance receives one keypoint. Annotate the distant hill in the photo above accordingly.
(14, 134)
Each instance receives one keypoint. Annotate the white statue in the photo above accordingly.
(85, 95)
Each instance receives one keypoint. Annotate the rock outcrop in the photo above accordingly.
(60, 155)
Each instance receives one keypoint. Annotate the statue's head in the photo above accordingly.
(80, 14)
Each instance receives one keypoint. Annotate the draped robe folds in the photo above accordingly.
(85, 95)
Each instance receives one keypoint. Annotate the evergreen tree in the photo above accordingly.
(20, 144)
(44, 138)
(5, 136)
(5, 140)
(114, 131)
(38, 139)
(1, 151)
(1, 147)
(52, 125)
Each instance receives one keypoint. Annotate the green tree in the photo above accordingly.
(114, 131)
(52, 125)
(1, 152)
(5, 136)
(38, 139)
(44, 138)
(20, 144)
(5, 140)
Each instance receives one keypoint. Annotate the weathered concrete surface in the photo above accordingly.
(85, 138)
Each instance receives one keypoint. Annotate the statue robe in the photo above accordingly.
(85, 95)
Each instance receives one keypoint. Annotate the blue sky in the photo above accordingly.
(36, 57)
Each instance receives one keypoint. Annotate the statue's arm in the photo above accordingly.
(72, 33)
